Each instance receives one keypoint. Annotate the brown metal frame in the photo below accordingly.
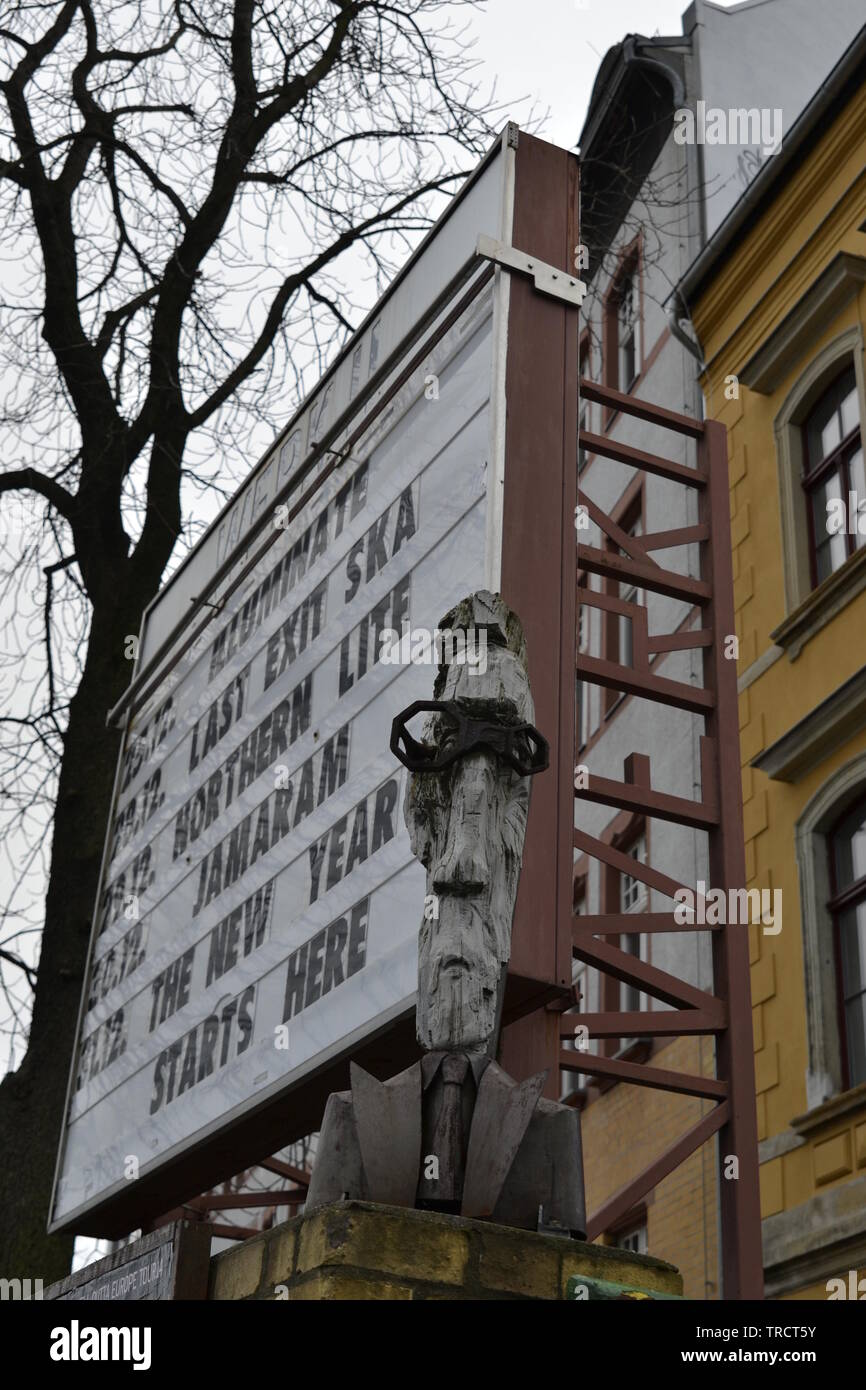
(724, 1014)
(538, 580)
(199, 1209)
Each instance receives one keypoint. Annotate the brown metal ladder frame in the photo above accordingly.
(726, 1013)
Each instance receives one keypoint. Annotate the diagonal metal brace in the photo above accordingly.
(548, 280)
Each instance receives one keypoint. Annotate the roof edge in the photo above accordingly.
(774, 172)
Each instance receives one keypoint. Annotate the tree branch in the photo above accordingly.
(31, 480)
(244, 131)
(116, 316)
(300, 279)
(21, 964)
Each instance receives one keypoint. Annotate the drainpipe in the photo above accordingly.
(675, 313)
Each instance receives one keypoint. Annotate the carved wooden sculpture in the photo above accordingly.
(453, 1132)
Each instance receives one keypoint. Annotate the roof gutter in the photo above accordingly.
(629, 57)
(668, 72)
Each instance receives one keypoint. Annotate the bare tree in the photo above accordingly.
(185, 183)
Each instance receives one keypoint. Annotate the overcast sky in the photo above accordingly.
(550, 50)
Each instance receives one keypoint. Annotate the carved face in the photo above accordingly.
(467, 825)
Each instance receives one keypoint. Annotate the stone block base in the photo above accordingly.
(358, 1250)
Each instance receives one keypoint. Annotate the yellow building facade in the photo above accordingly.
(778, 304)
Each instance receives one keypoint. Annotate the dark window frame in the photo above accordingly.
(815, 475)
(581, 692)
(626, 517)
(629, 267)
(637, 827)
(841, 900)
(584, 369)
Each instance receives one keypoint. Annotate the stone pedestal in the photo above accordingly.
(357, 1250)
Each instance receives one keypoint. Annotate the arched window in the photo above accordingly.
(832, 470)
(832, 913)
(621, 325)
(627, 315)
(805, 462)
(847, 846)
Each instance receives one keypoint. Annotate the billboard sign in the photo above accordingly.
(259, 902)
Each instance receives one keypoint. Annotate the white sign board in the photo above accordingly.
(260, 903)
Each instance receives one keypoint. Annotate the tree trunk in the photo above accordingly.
(32, 1098)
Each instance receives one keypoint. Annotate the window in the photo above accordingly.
(579, 897)
(847, 844)
(620, 326)
(833, 468)
(830, 906)
(634, 1239)
(807, 608)
(584, 418)
(624, 893)
(581, 688)
(631, 594)
(571, 1081)
(632, 898)
(618, 627)
(632, 890)
(627, 330)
